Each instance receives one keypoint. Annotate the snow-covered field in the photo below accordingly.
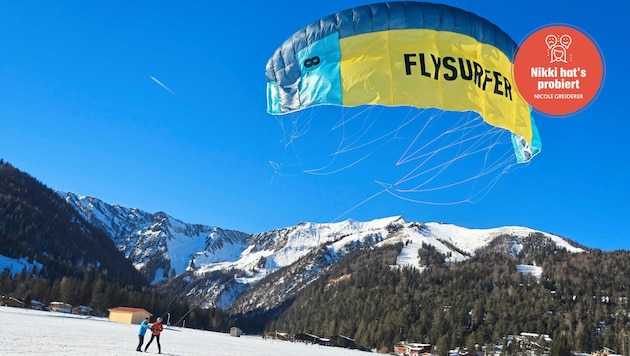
(32, 332)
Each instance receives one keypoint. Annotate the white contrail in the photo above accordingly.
(160, 84)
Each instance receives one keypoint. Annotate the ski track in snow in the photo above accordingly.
(33, 332)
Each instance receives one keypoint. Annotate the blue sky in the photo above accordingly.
(80, 111)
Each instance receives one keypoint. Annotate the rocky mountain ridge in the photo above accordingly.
(240, 272)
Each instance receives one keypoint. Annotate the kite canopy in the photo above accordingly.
(408, 53)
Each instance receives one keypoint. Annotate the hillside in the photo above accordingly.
(377, 282)
(215, 267)
(581, 297)
(37, 225)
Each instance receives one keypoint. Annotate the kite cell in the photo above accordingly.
(412, 55)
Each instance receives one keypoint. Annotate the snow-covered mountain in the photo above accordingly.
(243, 272)
(159, 245)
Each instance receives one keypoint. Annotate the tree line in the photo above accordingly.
(580, 301)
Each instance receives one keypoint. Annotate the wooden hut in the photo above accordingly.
(128, 315)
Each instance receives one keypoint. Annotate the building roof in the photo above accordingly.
(128, 310)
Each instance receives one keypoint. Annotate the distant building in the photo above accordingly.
(310, 338)
(61, 307)
(11, 302)
(412, 349)
(128, 315)
(534, 336)
(236, 332)
(37, 305)
(277, 335)
(344, 341)
(83, 310)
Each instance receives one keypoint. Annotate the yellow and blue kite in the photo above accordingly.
(407, 53)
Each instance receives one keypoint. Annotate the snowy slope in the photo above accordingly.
(157, 244)
(470, 240)
(15, 266)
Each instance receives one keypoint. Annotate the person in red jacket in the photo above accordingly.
(156, 329)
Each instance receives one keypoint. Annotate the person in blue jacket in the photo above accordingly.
(143, 330)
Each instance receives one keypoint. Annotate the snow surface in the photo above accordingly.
(469, 240)
(300, 241)
(409, 254)
(535, 271)
(33, 332)
(16, 266)
(180, 246)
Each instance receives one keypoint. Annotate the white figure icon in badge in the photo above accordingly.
(558, 47)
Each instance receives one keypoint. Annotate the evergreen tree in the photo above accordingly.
(560, 347)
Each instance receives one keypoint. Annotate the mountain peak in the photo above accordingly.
(165, 249)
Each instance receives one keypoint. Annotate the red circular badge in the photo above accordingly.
(558, 70)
